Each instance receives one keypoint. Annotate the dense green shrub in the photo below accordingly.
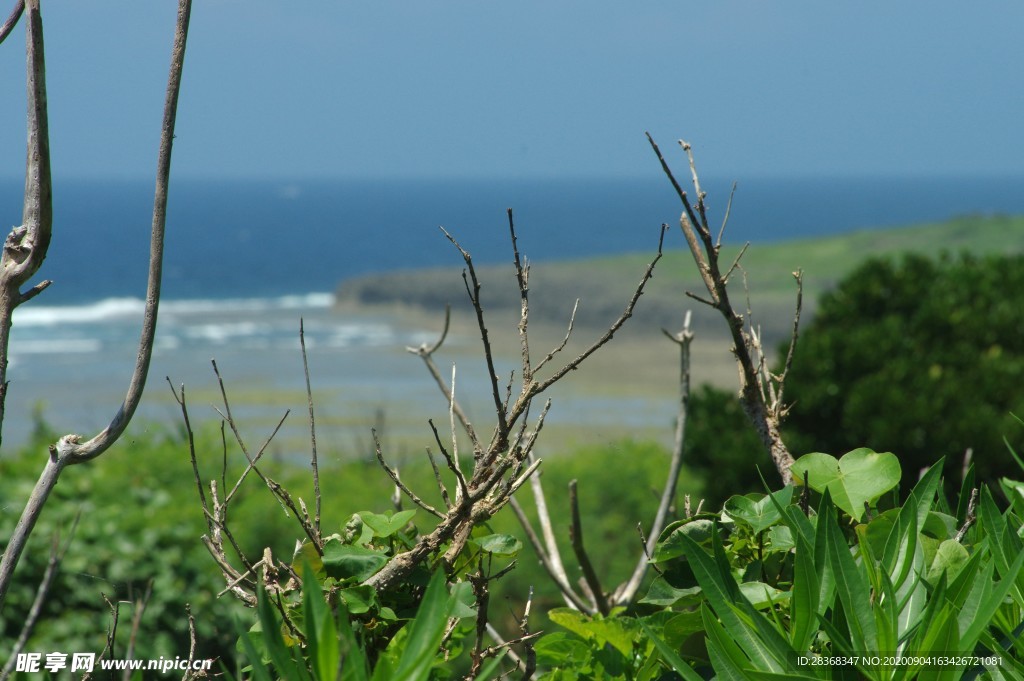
(920, 357)
(722, 448)
(137, 526)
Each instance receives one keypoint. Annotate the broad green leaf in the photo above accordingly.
(358, 599)
(385, 525)
(762, 595)
(463, 600)
(699, 530)
(950, 558)
(663, 594)
(617, 632)
(681, 626)
(859, 477)
(780, 538)
(344, 561)
(307, 555)
(941, 526)
(671, 656)
(757, 510)
(560, 649)
(499, 544)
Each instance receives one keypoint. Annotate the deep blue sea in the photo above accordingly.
(257, 239)
(246, 260)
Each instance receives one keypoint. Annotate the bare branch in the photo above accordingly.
(437, 477)
(970, 518)
(522, 278)
(453, 466)
(576, 535)
(702, 224)
(426, 353)
(779, 406)
(607, 336)
(699, 299)
(725, 220)
(25, 247)
(736, 263)
(557, 574)
(180, 399)
(34, 291)
(312, 430)
(81, 452)
(629, 590)
(393, 474)
(754, 386)
(12, 20)
(137, 612)
(57, 553)
(565, 341)
(474, 296)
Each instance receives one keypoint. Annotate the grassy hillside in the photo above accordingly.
(604, 284)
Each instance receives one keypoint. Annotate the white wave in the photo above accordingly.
(127, 308)
(89, 313)
(59, 346)
(222, 333)
(291, 302)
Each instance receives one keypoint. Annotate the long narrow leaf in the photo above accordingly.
(803, 603)
(852, 588)
(281, 655)
(987, 609)
(670, 655)
(727, 659)
(721, 591)
(426, 632)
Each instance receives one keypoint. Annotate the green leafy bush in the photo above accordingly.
(772, 589)
(133, 531)
(920, 357)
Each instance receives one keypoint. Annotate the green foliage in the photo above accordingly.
(771, 589)
(855, 480)
(920, 357)
(137, 532)
(721, 447)
(323, 644)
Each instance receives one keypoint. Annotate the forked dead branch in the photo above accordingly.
(761, 391)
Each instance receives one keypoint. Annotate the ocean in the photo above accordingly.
(246, 260)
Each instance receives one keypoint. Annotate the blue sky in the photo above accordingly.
(529, 88)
